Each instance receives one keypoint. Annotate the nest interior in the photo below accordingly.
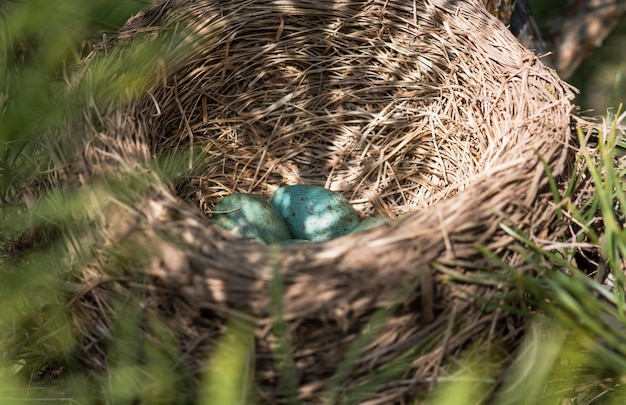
(429, 111)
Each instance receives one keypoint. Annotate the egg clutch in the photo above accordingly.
(293, 214)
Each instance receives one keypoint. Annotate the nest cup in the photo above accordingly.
(429, 111)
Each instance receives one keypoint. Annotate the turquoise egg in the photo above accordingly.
(250, 216)
(314, 213)
(370, 223)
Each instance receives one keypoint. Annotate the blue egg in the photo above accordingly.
(370, 223)
(250, 216)
(314, 213)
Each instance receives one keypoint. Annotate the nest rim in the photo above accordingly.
(347, 279)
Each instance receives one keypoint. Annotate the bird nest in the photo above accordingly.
(426, 111)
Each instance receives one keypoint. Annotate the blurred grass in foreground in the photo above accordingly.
(575, 351)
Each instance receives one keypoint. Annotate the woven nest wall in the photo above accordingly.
(429, 111)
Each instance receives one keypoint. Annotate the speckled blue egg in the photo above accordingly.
(370, 223)
(250, 216)
(314, 213)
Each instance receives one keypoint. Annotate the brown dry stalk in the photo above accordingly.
(579, 29)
